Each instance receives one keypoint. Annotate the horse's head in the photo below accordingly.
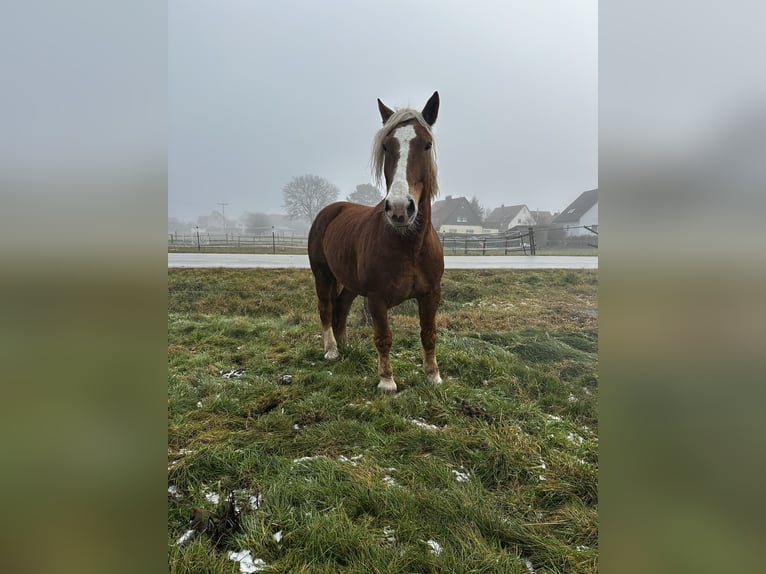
(403, 151)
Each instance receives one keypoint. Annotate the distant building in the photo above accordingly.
(508, 217)
(455, 215)
(582, 212)
(212, 223)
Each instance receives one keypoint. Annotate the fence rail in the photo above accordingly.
(526, 242)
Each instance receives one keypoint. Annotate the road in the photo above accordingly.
(251, 261)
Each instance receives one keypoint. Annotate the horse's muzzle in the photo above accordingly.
(400, 213)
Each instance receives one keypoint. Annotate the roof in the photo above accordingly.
(579, 207)
(446, 211)
(504, 213)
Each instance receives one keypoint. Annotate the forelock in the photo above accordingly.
(398, 117)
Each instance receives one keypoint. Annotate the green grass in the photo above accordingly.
(499, 465)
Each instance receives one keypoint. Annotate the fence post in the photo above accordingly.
(198, 245)
(532, 240)
(484, 246)
(273, 241)
(466, 244)
(506, 244)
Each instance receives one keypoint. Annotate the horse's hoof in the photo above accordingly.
(434, 379)
(387, 386)
(332, 355)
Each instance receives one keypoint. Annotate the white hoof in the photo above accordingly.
(331, 355)
(388, 386)
(434, 378)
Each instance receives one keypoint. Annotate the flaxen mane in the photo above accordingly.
(398, 117)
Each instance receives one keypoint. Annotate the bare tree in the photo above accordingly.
(365, 194)
(306, 195)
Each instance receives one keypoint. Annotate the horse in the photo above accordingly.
(389, 252)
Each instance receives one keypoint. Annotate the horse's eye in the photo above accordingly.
(428, 145)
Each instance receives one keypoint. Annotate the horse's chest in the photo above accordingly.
(406, 286)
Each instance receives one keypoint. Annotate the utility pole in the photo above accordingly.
(223, 213)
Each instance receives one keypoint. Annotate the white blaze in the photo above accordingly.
(400, 189)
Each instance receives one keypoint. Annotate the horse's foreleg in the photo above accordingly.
(340, 313)
(379, 312)
(427, 306)
(326, 287)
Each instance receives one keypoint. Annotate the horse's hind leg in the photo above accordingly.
(326, 287)
(340, 313)
(427, 306)
(382, 329)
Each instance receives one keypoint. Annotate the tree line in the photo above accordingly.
(305, 195)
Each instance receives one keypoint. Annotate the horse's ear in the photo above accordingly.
(385, 111)
(431, 110)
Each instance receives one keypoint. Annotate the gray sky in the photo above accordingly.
(261, 92)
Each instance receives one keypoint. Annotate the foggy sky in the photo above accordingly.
(260, 92)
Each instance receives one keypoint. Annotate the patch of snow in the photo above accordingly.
(212, 497)
(230, 374)
(364, 404)
(255, 501)
(172, 490)
(528, 564)
(582, 548)
(186, 451)
(305, 458)
(184, 537)
(553, 417)
(541, 477)
(389, 480)
(461, 476)
(296, 426)
(436, 548)
(247, 563)
(389, 532)
(575, 438)
(353, 460)
(199, 404)
(571, 398)
(278, 536)
(423, 424)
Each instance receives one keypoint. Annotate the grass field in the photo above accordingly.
(304, 464)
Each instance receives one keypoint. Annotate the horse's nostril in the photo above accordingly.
(411, 208)
(387, 206)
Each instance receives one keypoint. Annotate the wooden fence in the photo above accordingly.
(510, 242)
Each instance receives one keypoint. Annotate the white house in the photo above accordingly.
(508, 217)
(582, 212)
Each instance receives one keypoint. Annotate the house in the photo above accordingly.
(582, 212)
(508, 217)
(212, 223)
(455, 215)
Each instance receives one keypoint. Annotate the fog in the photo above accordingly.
(261, 92)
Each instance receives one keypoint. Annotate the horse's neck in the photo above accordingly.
(424, 227)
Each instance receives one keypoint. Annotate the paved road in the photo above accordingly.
(249, 260)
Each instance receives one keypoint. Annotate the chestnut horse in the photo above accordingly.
(389, 252)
